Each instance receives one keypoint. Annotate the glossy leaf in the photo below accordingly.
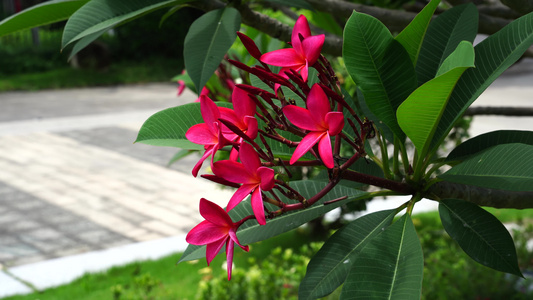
(379, 65)
(84, 41)
(102, 15)
(505, 167)
(328, 269)
(412, 36)
(208, 40)
(419, 115)
(251, 232)
(481, 235)
(487, 140)
(168, 127)
(493, 56)
(443, 36)
(41, 14)
(391, 266)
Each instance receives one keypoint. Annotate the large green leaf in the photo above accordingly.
(251, 231)
(487, 140)
(41, 14)
(168, 127)
(102, 15)
(505, 167)
(493, 56)
(481, 235)
(412, 36)
(329, 267)
(379, 65)
(207, 41)
(391, 266)
(443, 36)
(419, 115)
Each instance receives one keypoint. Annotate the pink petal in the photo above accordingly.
(205, 91)
(324, 149)
(201, 134)
(233, 236)
(307, 143)
(242, 103)
(252, 125)
(335, 121)
(240, 194)
(229, 256)
(318, 105)
(305, 71)
(257, 206)
(249, 159)
(233, 171)
(231, 116)
(205, 233)
(199, 164)
(212, 249)
(283, 58)
(267, 178)
(234, 154)
(302, 118)
(214, 213)
(312, 47)
(300, 28)
(210, 112)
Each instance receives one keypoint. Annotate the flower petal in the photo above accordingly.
(305, 71)
(212, 249)
(257, 206)
(230, 115)
(196, 169)
(312, 46)
(201, 134)
(307, 143)
(233, 171)
(214, 213)
(210, 112)
(283, 58)
(267, 178)
(242, 103)
(205, 233)
(252, 127)
(233, 236)
(335, 121)
(300, 28)
(229, 256)
(318, 105)
(250, 160)
(324, 149)
(302, 118)
(240, 194)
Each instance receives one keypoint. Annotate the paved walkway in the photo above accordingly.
(77, 195)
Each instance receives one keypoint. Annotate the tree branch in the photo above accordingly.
(500, 111)
(480, 196)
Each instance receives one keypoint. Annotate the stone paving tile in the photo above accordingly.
(81, 197)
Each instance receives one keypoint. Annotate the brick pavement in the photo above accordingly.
(84, 186)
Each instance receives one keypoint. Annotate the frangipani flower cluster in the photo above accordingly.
(261, 119)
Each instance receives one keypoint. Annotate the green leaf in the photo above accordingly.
(412, 36)
(329, 267)
(505, 167)
(208, 40)
(326, 21)
(380, 67)
(391, 266)
(41, 14)
(293, 3)
(481, 235)
(443, 36)
(251, 231)
(493, 56)
(487, 140)
(419, 115)
(168, 127)
(84, 41)
(102, 15)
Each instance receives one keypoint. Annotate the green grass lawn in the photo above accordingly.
(153, 70)
(166, 279)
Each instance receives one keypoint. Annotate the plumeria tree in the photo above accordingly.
(385, 132)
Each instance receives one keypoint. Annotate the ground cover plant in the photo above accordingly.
(293, 115)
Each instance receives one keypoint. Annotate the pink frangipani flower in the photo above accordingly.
(303, 54)
(242, 115)
(208, 133)
(254, 178)
(216, 231)
(320, 121)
